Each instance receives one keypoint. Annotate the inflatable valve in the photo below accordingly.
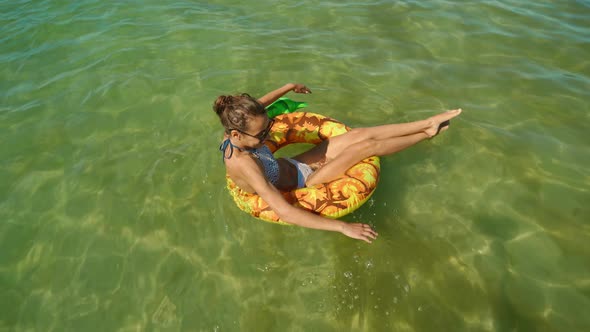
(284, 105)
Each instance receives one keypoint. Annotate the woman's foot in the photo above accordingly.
(441, 122)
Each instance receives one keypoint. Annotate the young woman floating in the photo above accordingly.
(253, 168)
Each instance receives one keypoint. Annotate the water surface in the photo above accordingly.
(115, 216)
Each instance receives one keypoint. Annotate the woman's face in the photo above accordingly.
(258, 130)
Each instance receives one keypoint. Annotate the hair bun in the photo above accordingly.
(221, 103)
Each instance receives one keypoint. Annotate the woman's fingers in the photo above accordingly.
(372, 235)
(359, 231)
(367, 233)
(300, 88)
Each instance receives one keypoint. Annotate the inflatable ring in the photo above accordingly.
(333, 199)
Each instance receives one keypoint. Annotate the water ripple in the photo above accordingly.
(114, 200)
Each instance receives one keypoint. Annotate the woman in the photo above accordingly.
(251, 165)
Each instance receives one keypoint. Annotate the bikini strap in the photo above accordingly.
(223, 147)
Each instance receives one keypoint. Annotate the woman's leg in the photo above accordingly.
(359, 151)
(330, 149)
(428, 126)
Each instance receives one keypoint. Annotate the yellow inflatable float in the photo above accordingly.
(333, 199)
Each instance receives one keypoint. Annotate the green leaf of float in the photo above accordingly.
(284, 105)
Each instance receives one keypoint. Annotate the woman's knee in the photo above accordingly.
(360, 134)
(366, 147)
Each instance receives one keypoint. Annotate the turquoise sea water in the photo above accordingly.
(113, 209)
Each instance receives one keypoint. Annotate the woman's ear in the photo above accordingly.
(235, 134)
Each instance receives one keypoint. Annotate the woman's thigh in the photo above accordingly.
(331, 148)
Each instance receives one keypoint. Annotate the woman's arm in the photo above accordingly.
(270, 97)
(251, 172)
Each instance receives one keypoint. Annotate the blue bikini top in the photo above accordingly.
(269, 163)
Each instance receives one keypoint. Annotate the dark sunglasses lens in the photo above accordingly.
(263, 134)
(266, 131)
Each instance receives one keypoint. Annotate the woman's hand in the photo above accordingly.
(300, 88)
(359, 231)
(270, 97)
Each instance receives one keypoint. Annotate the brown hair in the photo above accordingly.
(235, 111)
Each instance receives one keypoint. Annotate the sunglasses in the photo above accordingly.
(261, 136)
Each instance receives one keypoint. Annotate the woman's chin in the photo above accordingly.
(259, 145)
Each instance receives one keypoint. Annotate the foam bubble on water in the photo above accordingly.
(263, 268)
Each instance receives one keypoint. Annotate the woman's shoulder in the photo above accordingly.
(242, 169)
(239, 162)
